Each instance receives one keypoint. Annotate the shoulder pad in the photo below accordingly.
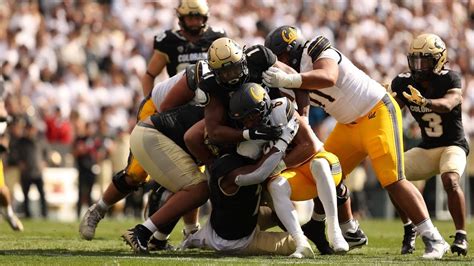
(317, 46)
(195, 73)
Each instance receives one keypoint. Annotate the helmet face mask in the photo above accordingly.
(227, 61)
(427, 56)
(232, 74)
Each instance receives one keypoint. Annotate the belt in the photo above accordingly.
(143, 124)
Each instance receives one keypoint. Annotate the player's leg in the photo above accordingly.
(123, 183)
(452, 165)
(350, 154)
(270, 243)
(280, 191)
(6, 204)
(420, 164)
(176, 171)
(326, 172)
(384, 144)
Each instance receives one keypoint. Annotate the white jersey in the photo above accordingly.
(354, 94)
(161, 90)
(283, 112)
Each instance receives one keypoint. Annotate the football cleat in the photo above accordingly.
(157, 245)
(89, 222)
(137, 238)
(355, 238)
(14, 222)
(340, 245)
(408, 243)
(316, 232)
(303, 251)
(434, 248)
(460, 244)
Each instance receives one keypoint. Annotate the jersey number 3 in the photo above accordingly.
(434, 129)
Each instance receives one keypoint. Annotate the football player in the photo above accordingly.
(176, 49)
(364, 111)
(433, 96)
(252, 106)
(158, 145)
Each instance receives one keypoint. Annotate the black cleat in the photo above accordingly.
(356, 239)
(460, 244)
(137, 238)
(408, 243)
(157, 245)
(316, 232)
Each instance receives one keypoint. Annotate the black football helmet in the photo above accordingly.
(250, 100)
(286, 39)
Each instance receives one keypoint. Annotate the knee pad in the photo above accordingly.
(121, 184)
(342, 193)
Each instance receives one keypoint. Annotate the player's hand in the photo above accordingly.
(265, 132)
(277, 78)
(415, 96)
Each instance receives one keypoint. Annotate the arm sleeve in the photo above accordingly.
(262, 172)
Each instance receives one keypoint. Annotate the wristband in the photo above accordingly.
(295, 80)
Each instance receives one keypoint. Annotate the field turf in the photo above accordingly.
(54, 243)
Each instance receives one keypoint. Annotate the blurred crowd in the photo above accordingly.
(72, 69)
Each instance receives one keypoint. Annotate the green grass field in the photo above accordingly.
(53, 243)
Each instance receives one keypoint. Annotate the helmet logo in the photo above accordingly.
(438, 43)
(257, 94)
(289, 35)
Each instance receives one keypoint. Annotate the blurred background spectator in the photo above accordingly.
(69, 63)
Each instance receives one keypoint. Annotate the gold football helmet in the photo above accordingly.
(227, 60)
(427, 55)
(192, 8)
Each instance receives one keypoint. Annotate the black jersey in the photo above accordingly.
(233, 216)
(437, 129)
(175, 122)
(259, 59)
(180, 52)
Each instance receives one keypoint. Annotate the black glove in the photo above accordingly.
(265, 132)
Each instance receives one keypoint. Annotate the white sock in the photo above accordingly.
(102, 205)
(9, 211)
(318, 217)
(150, 225)
(188, 228)
(327, 194)
(461, 232)
(280, 192)
(407, 223)
(427, 228)
(160, 236)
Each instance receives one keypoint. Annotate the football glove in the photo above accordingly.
(415, 96)
(263, 132)
(277, 78)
